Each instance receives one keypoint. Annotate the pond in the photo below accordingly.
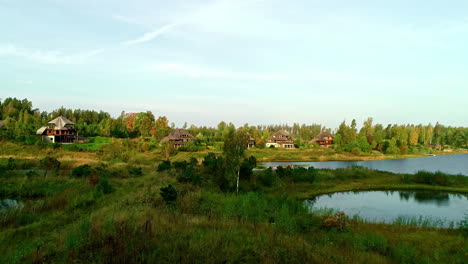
(393, 206)
(7, 203)
(451, 164)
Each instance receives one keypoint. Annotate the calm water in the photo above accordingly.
(386, 206)
(7, 203)
(452, 164)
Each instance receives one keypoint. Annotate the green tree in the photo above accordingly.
(235, 144)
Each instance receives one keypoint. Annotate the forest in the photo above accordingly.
(20, 122)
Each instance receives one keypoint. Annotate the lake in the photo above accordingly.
(388, 206)
(452, 164)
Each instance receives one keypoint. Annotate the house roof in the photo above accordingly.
(41, 130)
(2, 123)
(60, 122)
(321, 137)
(178, 134)
(281, 133)
(280, 137)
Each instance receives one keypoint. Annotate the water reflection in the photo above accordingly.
(387, 206)
(452, 164)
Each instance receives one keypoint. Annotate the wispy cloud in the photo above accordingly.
(150, 35)
(195, 71)
(46, 57)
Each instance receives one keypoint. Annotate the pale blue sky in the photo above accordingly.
(240, 61)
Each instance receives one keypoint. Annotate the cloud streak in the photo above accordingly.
(46, 57)
(150, 35)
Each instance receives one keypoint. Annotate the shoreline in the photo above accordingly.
(347, 157)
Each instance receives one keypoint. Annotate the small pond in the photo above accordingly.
(452, 164)
(391, 206)
(8, 203)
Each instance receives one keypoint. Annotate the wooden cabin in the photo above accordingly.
(178, 138)
(324, 139)
(280, 139)
(251, 143)
(59, 130)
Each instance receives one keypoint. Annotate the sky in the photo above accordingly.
(241, 61)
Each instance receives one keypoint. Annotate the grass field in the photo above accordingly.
(64, 219)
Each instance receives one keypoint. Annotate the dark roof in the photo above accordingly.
(281, 133)
(321, 137)
(178, 134)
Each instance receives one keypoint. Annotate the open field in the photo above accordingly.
(64, 217)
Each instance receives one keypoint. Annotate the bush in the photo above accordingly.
(246, 168)
(49, 163)
(431, 178)
(164, 166)
(301, 174)
(338, 221)
(356, 151)
(104, 187)
(136, 171)
(284, 172)
(372, 242)
(169, 194)
(464, 226)
(82, 171)
(188, 175)
(267, 177)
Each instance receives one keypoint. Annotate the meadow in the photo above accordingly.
(101, 207)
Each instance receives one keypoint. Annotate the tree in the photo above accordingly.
(235, 144)
(169, 194)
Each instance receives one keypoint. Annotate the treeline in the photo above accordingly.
(397, 139)
(20, 122)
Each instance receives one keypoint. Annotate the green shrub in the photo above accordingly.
(104, 186)
(405, 253)
(267, 177)
(164, 165)
(135, 171)
(169, 194)
(50, 163)
(463, 225)
(189, 175)
(246, 168)
(82, 171)
(284, 172)
(372, 242)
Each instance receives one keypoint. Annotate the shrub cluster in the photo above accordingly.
(434, 178)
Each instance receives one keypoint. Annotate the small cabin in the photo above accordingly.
(178, 138)
(280, 139)
(251, 143)
(59, 130)
(324, 139)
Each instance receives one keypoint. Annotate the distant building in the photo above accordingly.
(324, 139)
(59, 130)
(280, 139)
(178, 138)
(251, 143)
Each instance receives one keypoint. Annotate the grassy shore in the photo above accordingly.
(64, 219)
